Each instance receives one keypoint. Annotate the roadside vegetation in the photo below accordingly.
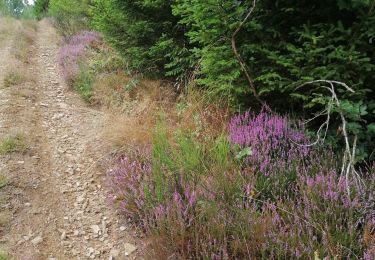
(244, 129)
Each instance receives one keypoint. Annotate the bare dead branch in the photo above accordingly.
(348, 161)
(238, 56)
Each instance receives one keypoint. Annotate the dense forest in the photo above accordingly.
(265, 146)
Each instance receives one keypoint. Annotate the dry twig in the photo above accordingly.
(347, 170)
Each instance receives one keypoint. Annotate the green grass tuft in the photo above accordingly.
(14, 78)
(4, 255)
(13, 144)
(84, 83)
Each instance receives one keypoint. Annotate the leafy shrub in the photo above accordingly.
(70, 16)
(41, 8)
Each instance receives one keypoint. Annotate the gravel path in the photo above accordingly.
(55, 195)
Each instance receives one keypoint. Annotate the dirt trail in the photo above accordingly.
(55, 194)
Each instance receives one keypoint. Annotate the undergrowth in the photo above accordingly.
(204, 184)
(205, 197)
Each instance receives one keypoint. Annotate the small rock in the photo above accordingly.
(95, 229)
(37, 240)
(27, 204)
(129, 249)
(63, 235)
(80, 199)
(114, 253)
(122, 228)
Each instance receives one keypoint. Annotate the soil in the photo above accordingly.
(55, 194)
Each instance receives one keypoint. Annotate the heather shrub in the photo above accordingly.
(273, 142)
(189, 194)
(323, 219)
(273, 147)
(204, 198)
(73, 52)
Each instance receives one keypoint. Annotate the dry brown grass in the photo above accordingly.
(24, 38)
(192, 111)
(6, 27)
(135, 106)
(203, 114)
(118, 90)
(16, 76)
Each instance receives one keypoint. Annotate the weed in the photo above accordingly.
(3, 181)
(12, 144)
(5, 217)
(4, 255)
(83, 83)
(14, 78)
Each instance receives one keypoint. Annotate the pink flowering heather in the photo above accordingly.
(274, 143)
(212, 210)
(126, 186)
(73, 51)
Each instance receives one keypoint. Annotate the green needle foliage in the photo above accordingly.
(283, 44)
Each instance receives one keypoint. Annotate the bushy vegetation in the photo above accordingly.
(281, 45)
(41, 8)
(13, 78)
(213, 185)
(208, 199)
(71, 59)
(70, 16)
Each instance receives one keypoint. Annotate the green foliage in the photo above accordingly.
(41, 8)
(4, 255)
(70, 16)
(146, 33)
(14, 78)
(284, 43)
(83, 83)
(14, 8)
